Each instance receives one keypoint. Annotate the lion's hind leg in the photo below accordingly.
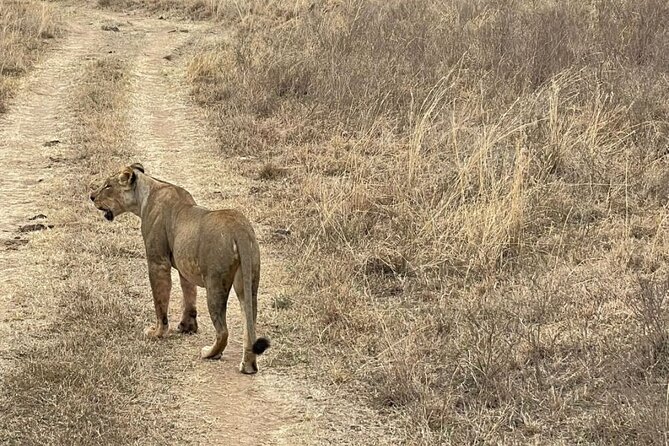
(217, 301)
(188, 322)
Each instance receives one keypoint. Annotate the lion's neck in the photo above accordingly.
(142, 191)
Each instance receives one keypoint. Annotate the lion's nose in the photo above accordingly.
(92, 197)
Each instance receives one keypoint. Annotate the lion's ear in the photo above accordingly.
(137, 166)
(127, 177)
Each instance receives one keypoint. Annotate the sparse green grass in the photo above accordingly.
(25, 26)
(477, 196)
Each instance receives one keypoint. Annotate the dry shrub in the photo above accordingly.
(270, 171)
(25, 26)
(476, 190)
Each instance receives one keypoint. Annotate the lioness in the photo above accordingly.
(211, 249)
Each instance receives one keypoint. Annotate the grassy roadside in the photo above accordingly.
(25, 28)
(84, 379)
(476, 194)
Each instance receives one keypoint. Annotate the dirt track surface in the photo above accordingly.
(171, 138)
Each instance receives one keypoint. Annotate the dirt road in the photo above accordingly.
(169, 135)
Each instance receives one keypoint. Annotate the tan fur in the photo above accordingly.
(212, 249)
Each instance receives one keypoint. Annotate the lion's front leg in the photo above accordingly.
(161, 286)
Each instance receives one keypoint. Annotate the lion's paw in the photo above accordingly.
(206, 353)
(188, 326)
(248, 368)
(153, 332)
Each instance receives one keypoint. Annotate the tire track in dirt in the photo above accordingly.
(29, 171)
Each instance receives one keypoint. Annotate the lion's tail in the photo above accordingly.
(249, 273)
(260, 345)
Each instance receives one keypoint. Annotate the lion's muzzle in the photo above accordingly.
(108, 213)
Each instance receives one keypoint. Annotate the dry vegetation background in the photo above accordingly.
(25, 27)
(476, 194)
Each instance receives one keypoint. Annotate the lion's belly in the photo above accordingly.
(190, 269)
(185, 255)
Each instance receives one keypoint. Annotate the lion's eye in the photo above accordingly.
(107, 186)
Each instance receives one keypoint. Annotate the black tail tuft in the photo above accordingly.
(260, 345)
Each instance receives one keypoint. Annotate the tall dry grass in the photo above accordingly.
(477, 196)
(25, 26)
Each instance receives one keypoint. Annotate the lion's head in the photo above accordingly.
(116, 195)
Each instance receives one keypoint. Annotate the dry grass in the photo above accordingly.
(195, 9)
(25, 26)
(80, 380)
(477, 196)
(207, 9)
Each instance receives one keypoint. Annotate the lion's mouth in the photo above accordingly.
(109, 215)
